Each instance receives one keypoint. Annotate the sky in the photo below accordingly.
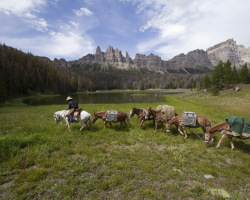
(71, 29)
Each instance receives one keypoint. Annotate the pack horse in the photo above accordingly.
(189, 119)
(112, 116)
(233, 127)
(80, 116)
(141, 113)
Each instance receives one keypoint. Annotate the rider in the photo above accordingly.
(73, 105)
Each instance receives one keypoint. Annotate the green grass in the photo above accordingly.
(42, 159)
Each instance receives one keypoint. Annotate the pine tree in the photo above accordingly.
(244, 74)
(235, 76)
(227, 73)
(206, 83)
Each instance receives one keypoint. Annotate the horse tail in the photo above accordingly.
(90, 122)
(127, 119)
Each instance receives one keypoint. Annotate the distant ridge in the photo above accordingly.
(196, 61)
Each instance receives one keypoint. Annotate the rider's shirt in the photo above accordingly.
(73, 104)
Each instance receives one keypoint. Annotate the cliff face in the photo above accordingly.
(238, 55)
(197, 61)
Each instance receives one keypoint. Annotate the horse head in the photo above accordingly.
(168, 127)
(56, 118)
(208, 137)
(132, 112)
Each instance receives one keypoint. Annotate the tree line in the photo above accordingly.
(225, 76)
(23, 73)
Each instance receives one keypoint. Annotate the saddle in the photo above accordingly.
(112, 116)
(77, 112)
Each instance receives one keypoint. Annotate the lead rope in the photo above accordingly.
(199, 137)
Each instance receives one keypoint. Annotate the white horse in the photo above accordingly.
(83, 118)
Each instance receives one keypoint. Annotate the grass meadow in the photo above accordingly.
(40, 159)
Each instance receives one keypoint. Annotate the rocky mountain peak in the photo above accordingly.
(196, 61)
(238, 55)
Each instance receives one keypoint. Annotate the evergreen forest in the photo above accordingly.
(23, 73)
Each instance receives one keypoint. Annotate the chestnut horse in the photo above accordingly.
(141, 113)
(122, 117)
(224, 128)
(201, 121)
(157, 115)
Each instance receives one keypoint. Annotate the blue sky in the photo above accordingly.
(71, 29)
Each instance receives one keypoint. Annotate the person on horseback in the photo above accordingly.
(73, 105)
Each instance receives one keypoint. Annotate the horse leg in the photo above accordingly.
(179, 129)
(110, 124)
(231, 142)
(67, 123)
(83, 126)
(141, 123)
(156, 125)
(105, 123)
(185, 131)
(223, 137)
(125, 123)
(162, 127)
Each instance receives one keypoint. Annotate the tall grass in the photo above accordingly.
(42, 159)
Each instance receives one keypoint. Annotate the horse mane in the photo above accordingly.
(218, 127)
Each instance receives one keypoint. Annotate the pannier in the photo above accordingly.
(112, 116)
(189, 119)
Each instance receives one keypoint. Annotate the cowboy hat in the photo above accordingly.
(69, 98)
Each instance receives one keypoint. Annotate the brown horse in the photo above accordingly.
(157, 114)
(201, 121)
(225, 130)
(121, 117)
(141, 113)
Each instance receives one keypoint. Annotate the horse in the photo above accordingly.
(224, 128)
(141, 113)
(83, 118)
(157, 115)
(121, 117)
(201, 121)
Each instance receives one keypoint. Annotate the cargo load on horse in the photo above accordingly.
(239, 126)
(189, 119)
(167, 112)
(162, 114)
(111, 116)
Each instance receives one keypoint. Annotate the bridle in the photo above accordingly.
(57, 118)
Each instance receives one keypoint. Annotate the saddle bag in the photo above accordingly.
(112, 116)
(189, 119)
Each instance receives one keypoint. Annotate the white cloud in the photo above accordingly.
(83, 11)
(27, 10)
(68, 44)
(182, 26)
(18, 7)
